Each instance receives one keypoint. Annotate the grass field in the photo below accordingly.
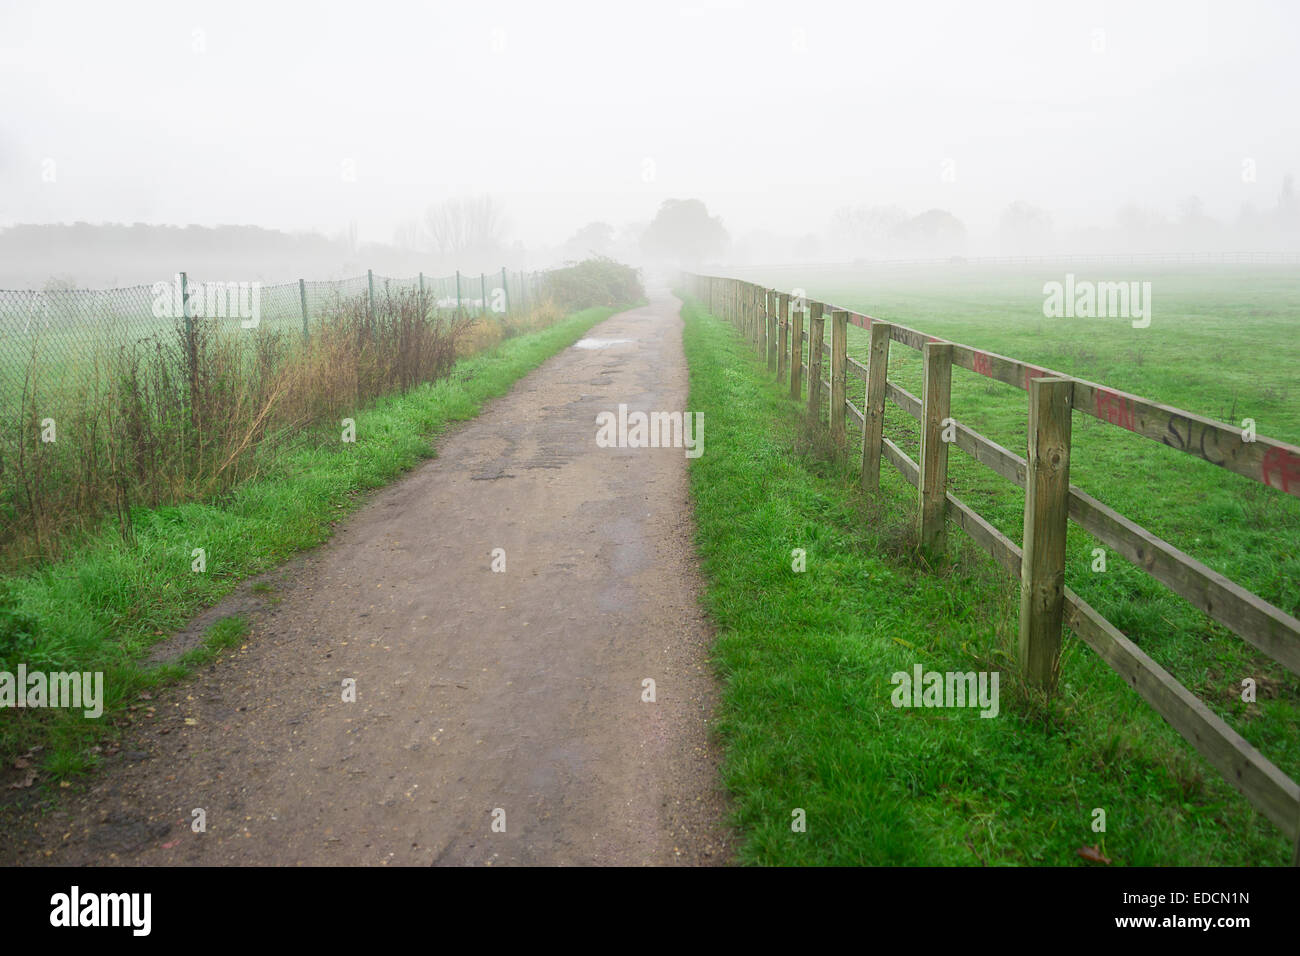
(808, 657)
(110, 599)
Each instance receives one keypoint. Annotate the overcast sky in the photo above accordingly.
(772, 113)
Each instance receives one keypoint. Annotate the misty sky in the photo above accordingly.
(773, 113)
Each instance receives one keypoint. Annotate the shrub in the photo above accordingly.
(593, 282)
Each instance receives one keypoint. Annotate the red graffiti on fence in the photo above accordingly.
(1115, 408)
(1032, 372)
(1285, 465)
(982, 364)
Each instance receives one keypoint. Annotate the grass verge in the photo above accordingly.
(807, 660)
(103, 606)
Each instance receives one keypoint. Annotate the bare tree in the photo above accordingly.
(864, 227)
(407, 235)
(1025, 227)
(461, 230)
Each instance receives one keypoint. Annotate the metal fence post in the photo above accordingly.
(302, 297)
(505, 289)
(185, 309)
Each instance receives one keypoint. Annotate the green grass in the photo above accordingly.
(101, 609)
(1221, 343)
(807, 658)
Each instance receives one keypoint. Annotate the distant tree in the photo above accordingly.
(1025, 223)
(630, 234)
(1288, 207)
(684, 232)
(593, 239)
(407, 235)
(932, 227)
(863, 226)
(1138, 220)
(462, 230)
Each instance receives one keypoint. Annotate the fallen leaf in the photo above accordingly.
(28, 779)
(168, 846)
(1093, 854)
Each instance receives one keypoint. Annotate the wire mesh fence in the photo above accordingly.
(115, 398)
(65, 332)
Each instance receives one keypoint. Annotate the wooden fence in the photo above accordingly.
(774, 323)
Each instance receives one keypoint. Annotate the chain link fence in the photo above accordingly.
(65, 333)
(155, 393)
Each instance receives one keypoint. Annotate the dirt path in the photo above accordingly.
(475, 690)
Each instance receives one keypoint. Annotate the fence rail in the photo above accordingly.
(764, 318)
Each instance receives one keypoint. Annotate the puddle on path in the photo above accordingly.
(599, 343)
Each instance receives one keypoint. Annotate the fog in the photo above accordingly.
(812, 131)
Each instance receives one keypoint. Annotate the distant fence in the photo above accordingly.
(66, 324)
(773, 323)
(1108, 258)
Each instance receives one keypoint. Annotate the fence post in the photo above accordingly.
(460, 309)
(370, 284)
(839, 379)
(302, 296)
(185, 308)
(873, 429)
(796, 354)
(816, 332)
(936, 400)
(773, 317)
(505, 289)
(191, 350)
(1047, 495)
(782, 335)
(482, 293)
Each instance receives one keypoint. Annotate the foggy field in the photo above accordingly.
(1221, 344)
(807, 718)
(1221, 341)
